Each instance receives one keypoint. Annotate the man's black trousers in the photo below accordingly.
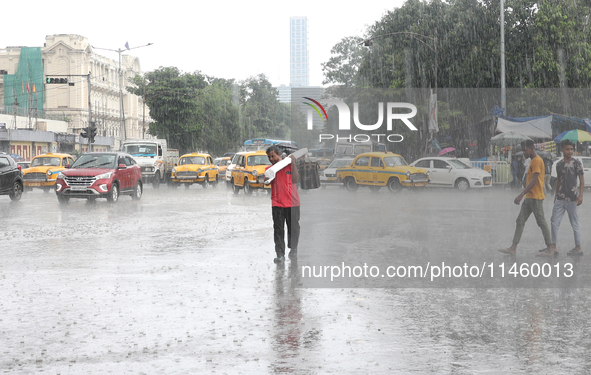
(291, 216)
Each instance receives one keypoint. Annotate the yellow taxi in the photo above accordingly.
(377, 169)
(249, 172)
(44, 169)
(222, 164)
(195, 168)
(323, 163)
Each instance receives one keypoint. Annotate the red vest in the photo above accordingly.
(284, 193)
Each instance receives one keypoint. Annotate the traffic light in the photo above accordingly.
(62, 81)
(84, 133)
(92, 130)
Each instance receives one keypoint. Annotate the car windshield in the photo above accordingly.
(95, 161)
(323, 162)
(140, 150)
(46, 161)
(340, 163)
(344, 149)
(258, 160)
(362, 149)
(394, 161)
(192, 160)
(458, 164)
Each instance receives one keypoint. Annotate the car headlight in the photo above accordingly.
(49, 173)
(428, 173)
(254, 173)
(199, 171)
(174, 170)
(408, 174)
(104, 175)
(61, 175)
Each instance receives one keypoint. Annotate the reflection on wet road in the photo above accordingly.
(183, 282)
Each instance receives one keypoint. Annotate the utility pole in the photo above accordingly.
(14, 107)
(431, 133)
(35, 109)
(123, 130)
(503, 88)
(89, 111)
(144, 112)
(30, 109)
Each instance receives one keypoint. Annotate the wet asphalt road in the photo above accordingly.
(183, 282)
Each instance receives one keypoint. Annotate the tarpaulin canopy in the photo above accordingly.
(533, 127)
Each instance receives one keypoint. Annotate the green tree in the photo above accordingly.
(195, 112)
(219, 112)
(261, 112)
(342, 67)
(173, 99)
(456, 44)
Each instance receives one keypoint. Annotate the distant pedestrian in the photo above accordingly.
(568, 197)
(533, 203)
(521, 168)
(285, 206)
(516, 183)
(548, 164)
(493, 167)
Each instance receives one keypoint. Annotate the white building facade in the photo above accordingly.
(72, 57)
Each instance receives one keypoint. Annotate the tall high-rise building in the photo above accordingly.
(298, 40)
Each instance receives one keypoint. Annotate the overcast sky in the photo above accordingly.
(228, 39)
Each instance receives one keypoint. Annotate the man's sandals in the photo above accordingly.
(575, 252)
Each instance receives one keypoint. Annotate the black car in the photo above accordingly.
(11, 178)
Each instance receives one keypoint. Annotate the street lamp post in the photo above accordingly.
(122, 130)
(503, 87)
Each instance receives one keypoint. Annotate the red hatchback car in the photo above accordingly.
(100, 175)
